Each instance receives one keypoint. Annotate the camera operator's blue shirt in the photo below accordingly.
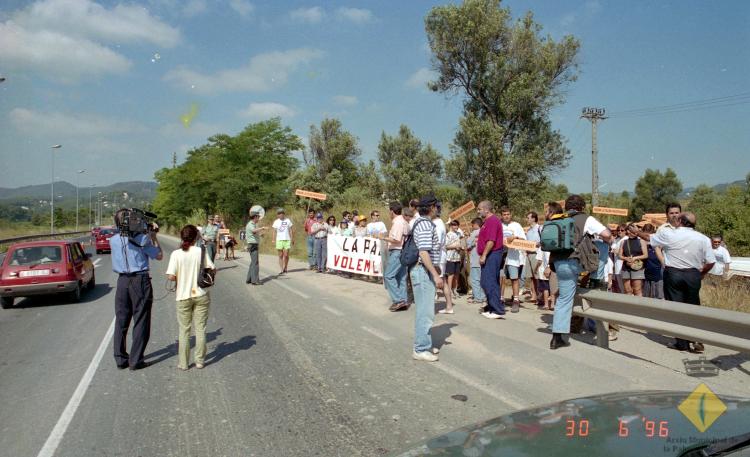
(137, 257)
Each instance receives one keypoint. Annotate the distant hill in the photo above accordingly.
(137, 192)
(718, 187)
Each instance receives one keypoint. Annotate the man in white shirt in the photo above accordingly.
(721, 267)
(376, 228)
(442, 231)
(513, 261)
(688, 257)
(529, 268)
(283, 238)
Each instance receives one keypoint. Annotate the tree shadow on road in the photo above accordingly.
(225, 349)
(171, 350)
(440, 334)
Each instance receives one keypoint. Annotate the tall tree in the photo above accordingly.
(653, 191)
(409, 168)
(510, 77)
(332, 148)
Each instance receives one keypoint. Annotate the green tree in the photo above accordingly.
(332, 148)
(653, 191)
(511, 76)
(410, 169)
(723, 213)
(229, 174)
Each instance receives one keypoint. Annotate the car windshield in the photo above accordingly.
(106, 232)
(36, 255)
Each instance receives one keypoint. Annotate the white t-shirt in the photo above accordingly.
(441, 232)
(609, 269)
(722, 259)
(185, 265)
(616, 252)
(283, 228)
(544, 257)
(515, 257)
(376, 228)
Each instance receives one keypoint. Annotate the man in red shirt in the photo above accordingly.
(310, 239)
(491, 250)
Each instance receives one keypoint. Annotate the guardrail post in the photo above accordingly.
(602, 334)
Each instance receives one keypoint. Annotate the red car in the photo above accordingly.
(102, 239)
(45, 267)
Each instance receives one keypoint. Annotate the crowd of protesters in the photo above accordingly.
(636, 259)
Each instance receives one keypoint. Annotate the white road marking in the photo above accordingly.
(96, 262)
(333, 311)
(56, 436)
(377, 333)
(468, 380)
(291, 289)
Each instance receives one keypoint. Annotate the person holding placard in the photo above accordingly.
(512, 230)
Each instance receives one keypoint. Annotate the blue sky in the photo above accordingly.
(109, 81)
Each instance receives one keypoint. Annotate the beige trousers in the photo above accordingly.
(189, 312)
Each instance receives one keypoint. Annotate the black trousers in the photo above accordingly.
(133, 299)
(684, 286)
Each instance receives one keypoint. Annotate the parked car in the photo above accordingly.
(102, 239)
(45, 267)
(95, 231)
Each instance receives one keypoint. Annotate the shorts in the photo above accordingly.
(283, 245)
(513, 272)
(529, 267)
(633, 274)
(452, 268)
(542, 285)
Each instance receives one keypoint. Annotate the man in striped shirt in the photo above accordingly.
(425, 279)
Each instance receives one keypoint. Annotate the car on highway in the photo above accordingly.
(646, 423)
(45, 268)
(95, 231)
(102, 239)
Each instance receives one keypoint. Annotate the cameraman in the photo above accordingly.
(133, 298)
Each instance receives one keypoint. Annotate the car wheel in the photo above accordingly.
(75, 294)
(6, 302)
(98, 251)
(92, 282)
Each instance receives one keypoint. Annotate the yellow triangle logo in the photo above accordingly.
(702, 407)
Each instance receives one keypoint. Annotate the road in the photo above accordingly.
(306, 364)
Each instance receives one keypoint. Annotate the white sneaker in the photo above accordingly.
(425, 356)
(491, 315)
(436, 350)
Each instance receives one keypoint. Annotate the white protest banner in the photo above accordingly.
(359, 254)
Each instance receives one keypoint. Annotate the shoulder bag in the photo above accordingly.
(206, 276)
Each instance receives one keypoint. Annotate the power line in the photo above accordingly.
(717, 102)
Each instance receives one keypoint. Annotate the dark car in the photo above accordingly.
(652, 423)
(102, 239)
(45, 267)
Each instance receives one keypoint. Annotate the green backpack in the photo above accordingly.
(564, 237)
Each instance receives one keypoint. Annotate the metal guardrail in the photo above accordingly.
(7, 241)
(718, 327)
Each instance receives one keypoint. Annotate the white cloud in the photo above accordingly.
(420, 78)
(262, 73)
(356, 15)
(69, 124)
(66, 40)
(194, 8)
(313, 15)
(242, 7)
(267, 110)
(345, 100)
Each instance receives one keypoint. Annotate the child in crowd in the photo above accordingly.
(544, 297)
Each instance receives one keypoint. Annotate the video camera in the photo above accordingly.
(135, 221)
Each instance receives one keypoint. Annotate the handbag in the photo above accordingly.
(206, 276)
(635, 265)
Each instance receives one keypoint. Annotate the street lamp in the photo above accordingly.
(90, 208)
(52, 191)
(78, 184)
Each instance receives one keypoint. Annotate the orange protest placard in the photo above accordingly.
(309, 194)
(462, 210)
(648, 216)
(523, 245)
(224, 231)
(610, 211)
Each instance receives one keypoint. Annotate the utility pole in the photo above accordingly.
(594, 115)
(174, 160)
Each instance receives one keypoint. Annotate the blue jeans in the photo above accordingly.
(567, 282)
(311, 250)
(490, 281)
(476, 288)
(395, 277)
(321, 253)
(424, 305)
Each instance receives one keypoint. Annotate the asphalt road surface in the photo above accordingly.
(306, 364)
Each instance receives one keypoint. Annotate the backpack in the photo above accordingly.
(410, 252)
(564, 237)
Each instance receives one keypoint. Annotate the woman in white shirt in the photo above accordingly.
(192, 301)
